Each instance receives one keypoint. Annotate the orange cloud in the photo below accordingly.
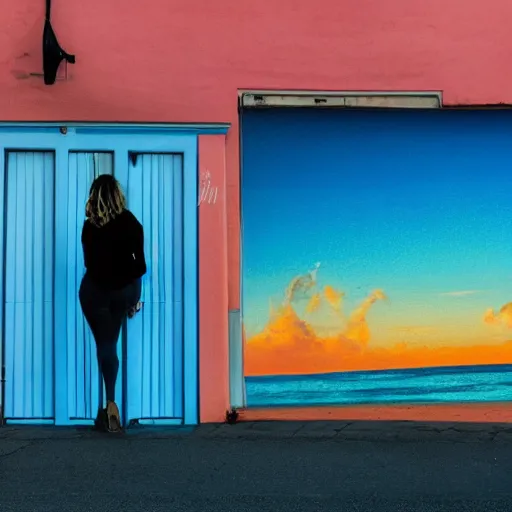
(503, 317)
(314, 303)
(357, 328)
(289, 345)
(334, 298)
(302, 284)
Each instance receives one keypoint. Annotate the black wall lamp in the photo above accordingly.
(53, 54)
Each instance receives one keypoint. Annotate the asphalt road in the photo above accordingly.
(259, 473)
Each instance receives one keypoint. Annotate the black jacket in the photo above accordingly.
(114, 253)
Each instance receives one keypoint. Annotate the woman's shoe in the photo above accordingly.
(101, 421)
(113, 417)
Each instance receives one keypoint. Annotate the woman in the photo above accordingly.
(113, 245)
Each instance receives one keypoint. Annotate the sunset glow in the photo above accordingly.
(289, 345)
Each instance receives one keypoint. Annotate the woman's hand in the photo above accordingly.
(134, 309)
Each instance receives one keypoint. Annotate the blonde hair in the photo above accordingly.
(106, 200)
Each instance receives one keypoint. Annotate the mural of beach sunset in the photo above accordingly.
(376, 273)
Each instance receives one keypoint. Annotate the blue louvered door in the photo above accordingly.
(48, 353)
(29, 286)
(82, 368)
(154, 341)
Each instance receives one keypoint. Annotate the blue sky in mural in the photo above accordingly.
(418, 204)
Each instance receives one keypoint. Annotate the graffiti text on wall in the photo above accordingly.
(207, 192)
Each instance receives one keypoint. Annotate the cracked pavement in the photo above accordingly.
(279, 467)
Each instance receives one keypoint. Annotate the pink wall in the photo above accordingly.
(213, 285)
(183, 61)
(175, 61)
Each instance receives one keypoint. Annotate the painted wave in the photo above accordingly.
(410, 386)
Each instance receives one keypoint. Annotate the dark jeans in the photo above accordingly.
(105, 311)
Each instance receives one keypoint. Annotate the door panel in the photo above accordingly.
(83, 377)
(29, 249)
(154, 380)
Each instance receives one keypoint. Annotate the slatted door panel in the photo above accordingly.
(155, 336)
(29, 250)
(83, 376)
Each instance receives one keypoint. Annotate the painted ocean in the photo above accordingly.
(424, 385)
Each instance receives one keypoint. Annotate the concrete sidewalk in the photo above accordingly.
(290, 430)
(288, 466)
